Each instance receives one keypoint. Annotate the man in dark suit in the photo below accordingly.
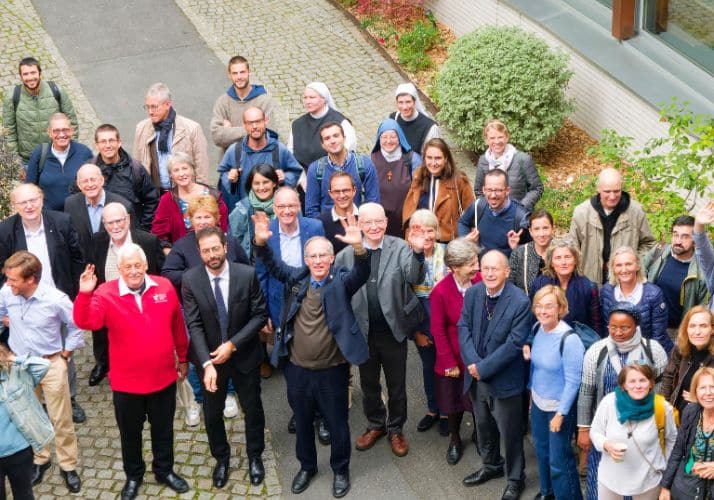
(105, 245)
(225, 310)
(85, 208)
(495, 322)
(320, 337)
(49, 236)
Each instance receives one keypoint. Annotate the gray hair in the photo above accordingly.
(364, 207)
(612, 279)
(424, 217)
(330, 248)
(460, 252)
(113, 205)
(159, 90)
(181, 157)
(562, 243)
(129, 250)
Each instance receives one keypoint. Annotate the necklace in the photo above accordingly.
(489, 308)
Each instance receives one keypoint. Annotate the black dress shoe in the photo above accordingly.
(323, 433)
(427, 422)
(540, 496)
(71, 479)
(220, 474)
(38, 472)
(97, 375)
(481, 476)
(256, 471)
(78, 415)
(131, 489)
(513, 491)
(173, 481)
(291, 425)
(301, 481)
(454, 453)
(340, 485)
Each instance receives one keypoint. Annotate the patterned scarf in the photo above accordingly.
(164, 128)
(503, 161)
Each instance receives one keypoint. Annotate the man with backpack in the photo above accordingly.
(28, 107)
(125, 176)
(338, 159)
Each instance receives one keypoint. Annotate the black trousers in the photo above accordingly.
(18, 469)
(324, 390)
(131, 411)
(499, 419)
(100, 347)
(247, 388)
(385, 353)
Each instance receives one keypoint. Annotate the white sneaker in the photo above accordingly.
(193, 415)
(231, 408)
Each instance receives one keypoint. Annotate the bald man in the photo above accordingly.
(608, 220)
(495, 322)
(85, 208)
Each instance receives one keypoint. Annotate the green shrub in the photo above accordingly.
(10, 169)
(413, 45)
(561, 201)
(503, 73)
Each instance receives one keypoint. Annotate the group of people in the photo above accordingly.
(314, 257)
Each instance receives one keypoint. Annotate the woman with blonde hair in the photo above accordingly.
(694, 349)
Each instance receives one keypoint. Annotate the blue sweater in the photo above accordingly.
(493, 229)
(56, 179)
(554, 376)
(652, 309)
(317, 197)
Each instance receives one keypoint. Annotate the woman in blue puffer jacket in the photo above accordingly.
(628, 284)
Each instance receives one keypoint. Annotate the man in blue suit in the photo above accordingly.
(495, 322)
(320, 337)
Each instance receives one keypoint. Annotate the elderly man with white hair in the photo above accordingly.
(165, 132)
(148, 346)
(414, 120)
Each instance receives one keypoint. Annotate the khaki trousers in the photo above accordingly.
(55, 389)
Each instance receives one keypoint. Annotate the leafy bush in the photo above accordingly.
(669, 174)
(504, 73)
(413, 45)
(10, 171)
(561, 201)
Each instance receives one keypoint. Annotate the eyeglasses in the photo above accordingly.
(28, 202)
(286, 207)
(372, 223)
(494, 190)
(88, 180)
(61, 131)
(152, 107)
(212, 250)
(339, 192)
(314, 257)
(105, 142)
(114, 221)
(622, 329)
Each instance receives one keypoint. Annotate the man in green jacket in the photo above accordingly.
(674, 269)
(28, 107)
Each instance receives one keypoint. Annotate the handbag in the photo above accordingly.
(688, 486)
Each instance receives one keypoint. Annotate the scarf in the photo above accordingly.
(633, 409)
(608, 223)
(433, 192)
(503, 161)
(632, 347)
(261, 206)
(164, 128)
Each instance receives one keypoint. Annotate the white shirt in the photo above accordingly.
(37, 245)
(223, 282)
(290, 248)
(124, 290)
(335, 217)
(61, 155)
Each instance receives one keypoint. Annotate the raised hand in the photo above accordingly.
(261, 224)
(473, 236)
(353, 234)
(87, 280)
(704, 217)
(514, 238)
(416, 238)
(281, 176)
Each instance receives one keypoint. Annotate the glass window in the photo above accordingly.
(685, 25)
(606, 3)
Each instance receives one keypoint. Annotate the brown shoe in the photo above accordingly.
(400, 447)
(367, 440)
(265, 370)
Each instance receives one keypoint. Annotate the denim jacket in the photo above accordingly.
(23, 422)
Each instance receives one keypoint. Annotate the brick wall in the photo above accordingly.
(601, 102)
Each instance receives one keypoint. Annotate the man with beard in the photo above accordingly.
(608, 220)
(125, 176)
(28, 107)
(225, 310)
(673, 268)
(165, 132)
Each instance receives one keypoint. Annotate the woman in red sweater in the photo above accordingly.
(447, 299)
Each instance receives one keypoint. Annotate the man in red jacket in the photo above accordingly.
(146, 334)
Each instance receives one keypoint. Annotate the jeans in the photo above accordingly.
(196, 384)
(557, 467)
(428, 359)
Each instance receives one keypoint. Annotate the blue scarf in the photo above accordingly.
(632, 409)
(163, 128)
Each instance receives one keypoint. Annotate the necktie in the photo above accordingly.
(221, 307)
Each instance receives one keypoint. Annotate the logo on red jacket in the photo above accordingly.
(160, 298)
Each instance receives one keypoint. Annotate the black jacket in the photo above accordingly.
(63, 248)
(129, 178)
(148, 242)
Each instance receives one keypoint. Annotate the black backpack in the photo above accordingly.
(53, 87)
(239, 152)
